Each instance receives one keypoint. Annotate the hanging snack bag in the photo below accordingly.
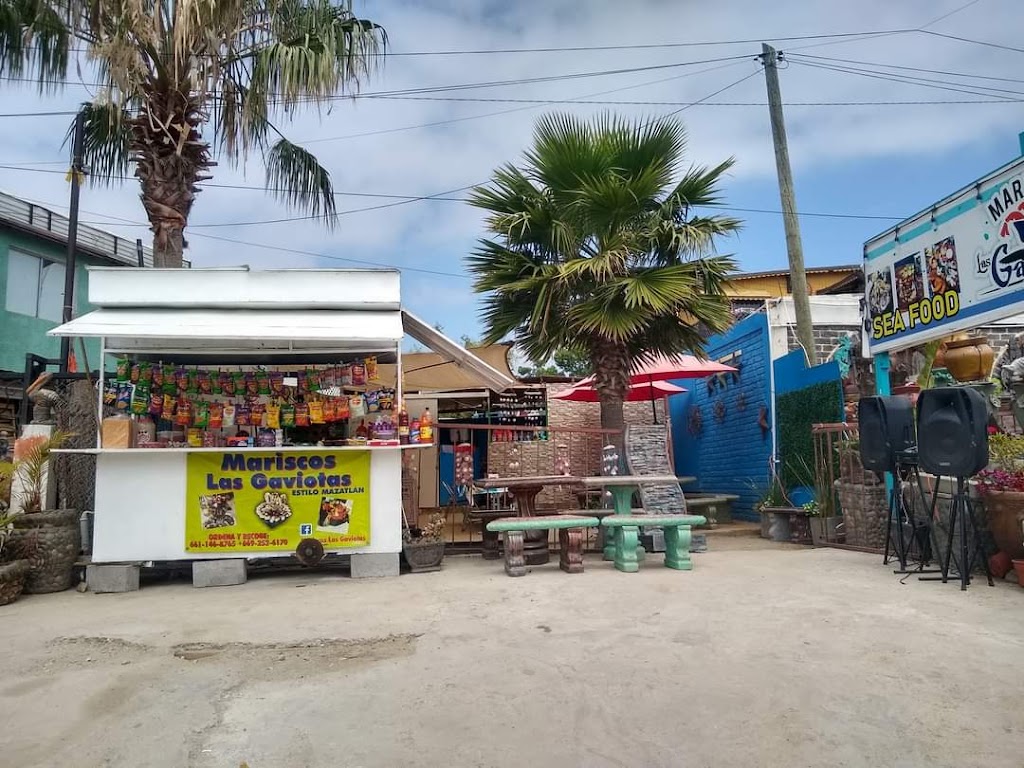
(157, 373)
(156, 404)
(217, 381)
(193, 382)
(227, 383)
(243, 416)
(216, 416)
(169, 407)
(195, 438)
(372, 402)
(302, 415)
(146, 374)
(358, 374)
(228, 415)
(140, 401)
(205, 382)
(313, 379)
(258, 415)
(133, 374)
(287, 415)
(330, 411)
(386, 399)
(109, 392)
(181, 379)
(170, 385)
(273, 420)
(262, 383)
(343, 375)
(356, 407)
(252, 387)
(201, 414)
(277, 384)
(183, 417)
(371, 369)
(316, 412)
(123, 370)
(303, 382)
(124, 396)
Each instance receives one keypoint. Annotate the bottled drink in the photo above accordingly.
(426, 427)
(403, 426)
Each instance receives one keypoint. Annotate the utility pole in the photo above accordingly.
(76, 174)
(794, 248)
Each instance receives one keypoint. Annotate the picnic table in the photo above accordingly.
(622, 488)
(524, 491)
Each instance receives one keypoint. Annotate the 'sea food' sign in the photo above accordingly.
(953, 268)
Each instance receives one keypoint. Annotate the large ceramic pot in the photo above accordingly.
(1005, 511)
(423, 555)
(969, 359)
(50, 541)
(12, 580)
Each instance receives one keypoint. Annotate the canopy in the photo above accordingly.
(583, 393)
(677, 367)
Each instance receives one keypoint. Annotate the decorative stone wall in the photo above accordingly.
(865, 511)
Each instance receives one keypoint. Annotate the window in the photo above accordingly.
(35, 286)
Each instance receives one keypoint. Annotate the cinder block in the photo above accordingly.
(219, 573)
(374, 565)
(112, 578)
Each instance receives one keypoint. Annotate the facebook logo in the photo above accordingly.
(306, 529)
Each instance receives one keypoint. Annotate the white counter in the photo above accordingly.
(141, 502)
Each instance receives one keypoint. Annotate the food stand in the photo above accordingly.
(245, 412)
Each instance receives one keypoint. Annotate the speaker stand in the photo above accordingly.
(901, 514)
(962, 517)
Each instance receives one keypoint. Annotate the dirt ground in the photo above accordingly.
(764, 655)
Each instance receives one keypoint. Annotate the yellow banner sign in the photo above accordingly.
(269, 501)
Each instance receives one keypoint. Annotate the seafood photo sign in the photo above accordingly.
(952, 268)
(271, 500)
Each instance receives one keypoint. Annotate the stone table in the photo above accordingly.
(524, 490)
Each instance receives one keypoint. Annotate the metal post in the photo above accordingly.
(77, 163)
(139, 252)
(794, 248)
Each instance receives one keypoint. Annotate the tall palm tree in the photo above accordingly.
(597, 248)
(171, 68)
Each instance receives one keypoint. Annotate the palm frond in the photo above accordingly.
(35, 40)
(295, 176)
(107, 142)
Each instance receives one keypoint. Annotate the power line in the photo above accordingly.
(715, 93)
(910, 69)
(35, 114)
(955, 11)
(969, 40)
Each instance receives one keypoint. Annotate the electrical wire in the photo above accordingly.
(969, 40)
(715, 93)
(908, 68)
(944, 16)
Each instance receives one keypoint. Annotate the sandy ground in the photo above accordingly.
(765, 655)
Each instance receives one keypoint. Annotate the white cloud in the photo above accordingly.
(436, 235)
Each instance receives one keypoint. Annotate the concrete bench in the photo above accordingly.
(677, 538)
(570, 536)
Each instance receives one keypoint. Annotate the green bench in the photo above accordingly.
(570, 536)
(626, 530)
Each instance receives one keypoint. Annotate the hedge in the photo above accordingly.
(795, 412)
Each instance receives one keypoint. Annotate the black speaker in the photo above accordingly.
(886, 429)
(952, 430)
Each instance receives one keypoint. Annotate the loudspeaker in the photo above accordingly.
(952, 430)
(886, 429)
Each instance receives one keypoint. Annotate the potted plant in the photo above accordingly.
(12, 572)
(773, 497)
(49, 539)
(1002, 486)
(423, 548)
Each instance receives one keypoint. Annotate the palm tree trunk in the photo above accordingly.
(611, 379)
(170, 156)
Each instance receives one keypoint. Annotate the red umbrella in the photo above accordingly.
(582, 393)
(665, 368)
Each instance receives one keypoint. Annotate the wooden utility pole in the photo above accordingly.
(75, 175)
(797, 273)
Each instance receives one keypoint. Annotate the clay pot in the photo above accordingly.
(969, 359)
(1005, 511)
(1000, 564)
(912, 391)
(1018, 566)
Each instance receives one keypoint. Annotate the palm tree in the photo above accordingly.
(170, 68)
(597, 248)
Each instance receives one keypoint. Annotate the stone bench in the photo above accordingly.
(677, 538)
(570, 536)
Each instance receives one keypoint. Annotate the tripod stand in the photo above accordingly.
(901, 516)
(962, 518)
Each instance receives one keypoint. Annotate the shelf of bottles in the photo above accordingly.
(519, 415)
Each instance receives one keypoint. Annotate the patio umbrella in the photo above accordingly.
(580, 393)
(665, 368)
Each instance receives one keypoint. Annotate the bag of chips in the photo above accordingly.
(371, 400)
(371, 368)
(262, 383)
(287, 415)
(216, 416)
(170, 380)
(229, 415)
(243, 416)
(146, 374)
(313, 379)
(341, 409)
(205, 382)
(140, 401)
(156, 404)
(258, 415)
(330, 411)
(158, 377)
(124, 396)
(316, 412)
(183, 417)
(358, 374)
(302, 415)
(217, 383)
(357, 407)
(277, 384)
(201, 414)
(273, 418)
(386, 400)
(109, 392)
(170, 406)
(193, 382)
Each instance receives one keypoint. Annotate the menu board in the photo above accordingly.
(269, 501)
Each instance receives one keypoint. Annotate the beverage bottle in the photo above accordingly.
(403, 426)
(361, 431)
(426, 427)
(414, 432)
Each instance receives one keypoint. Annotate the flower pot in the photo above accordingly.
(1005, 510)
(1018, 566)
(12, 580)
(423, 555)
(969, 359)
(50, 542)
(910, 390)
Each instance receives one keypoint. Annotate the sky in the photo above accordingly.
(867, 165)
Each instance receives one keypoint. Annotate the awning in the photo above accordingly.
(454, 352)
(432, 372)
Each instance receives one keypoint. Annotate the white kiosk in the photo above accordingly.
(219, 330)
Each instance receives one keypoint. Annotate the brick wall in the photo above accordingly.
(729, 454)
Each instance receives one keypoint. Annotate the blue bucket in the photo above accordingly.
(800, 495)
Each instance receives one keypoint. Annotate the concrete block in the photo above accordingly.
(219, 573)
(374, 565)
(112, 578)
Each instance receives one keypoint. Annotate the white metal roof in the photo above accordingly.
(454, 352)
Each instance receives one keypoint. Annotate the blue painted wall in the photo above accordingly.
(731, 455)
(792, 373)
